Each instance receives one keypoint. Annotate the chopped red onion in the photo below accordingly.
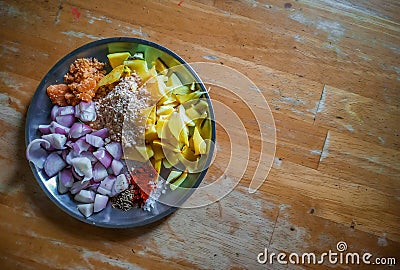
(115, 150)
(57, 128)
(94, 140)
(83, 167)
(57, 141)
(44, 129)
(116, 166)
(86, 209)
(80, 145)
(85, 196)
(104, 157)
(85, 111)
(90, 156)
(35, 152)
(53, 164)
(102, 133)
(77, 177)
(78, 130)
(54, 112)
(99, 172)
(121, 183)
(106, 185)
(100, 202)
(94, 186)
(66, 110)
(66, 178)
(71, 155)
(78, 186)
(66, 120)
(60, 187)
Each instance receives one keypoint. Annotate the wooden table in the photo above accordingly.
(330, 71)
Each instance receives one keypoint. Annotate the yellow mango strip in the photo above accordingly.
(179, 181)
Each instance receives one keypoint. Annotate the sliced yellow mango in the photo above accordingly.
(175, 124)
(201, 106)
(112, 77)
(192, 113)
(185, 98)
(184, 136)
(157, 165)
(166, 164)
(158, 150)
(205, 129)
(179, 181)
(181, 90)
(139, 66)
(200, 146)
(187, 155)
(161, 128)
(174, 81)
(160, 67)
(165, 110)
(173, 175)
(184, 117)
(118, 58)
(151, 133)
(149, 75)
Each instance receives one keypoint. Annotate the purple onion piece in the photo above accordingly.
(53, 164)
(85, 196)
(66, 110)
(59, 129)
(90, 156)
(99, 172)
(100, 202)
(71, 155)
(94, 140)
(86, 209)
(115, 150)
(57, 141)
(78, 186)
(106, 185)
(80, 145)
(104, 157)
(61, 188)
(94, 186)
(66, 178)
(64, 154)
(120, 184)
(66, 120)
(85, 111)
(77, 177)
(116, 166)
(78, 130)
(44, 129)
(54, 112)
(82, 167)
(102, 133)
(36, 153)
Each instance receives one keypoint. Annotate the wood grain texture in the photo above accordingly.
(330, 71)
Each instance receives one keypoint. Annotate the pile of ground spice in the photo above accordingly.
(123, 103)
(80, 82)
(141, 185)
